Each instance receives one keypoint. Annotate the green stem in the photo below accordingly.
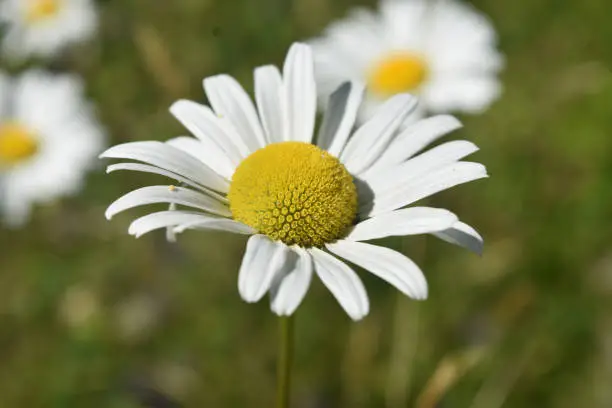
(285, 359)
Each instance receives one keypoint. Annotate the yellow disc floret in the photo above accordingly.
(39, 10)
(17, 144)
(396, 73)
(294, 192)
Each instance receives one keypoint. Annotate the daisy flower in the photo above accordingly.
(256, 170)
(48, 138)
(45, 27)
(441, 50)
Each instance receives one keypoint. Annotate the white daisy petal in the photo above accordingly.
(261, 262)
(4, 91)
(387, 264)
(218, 224)
(416, 137)
(166, 194)
(371, 139)
(464, 40)
(470, 94)
(287, 295)
(36, 84)
(301, 92)
(463, 235)
(270, 96)
(409, 221)
(389, 177)
(14, 207)
(484, 60)
(404, 22)
(145, 168)
(212, 156)
(434, 182)
(231, 101)
(164, 219)
(342, 282)
(339, 117)
(207, 127)
(170, 234)
(347, 49)
(169, 158)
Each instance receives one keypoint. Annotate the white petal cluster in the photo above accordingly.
(68, 22)
(53, 109)
(456, 42)
(389, 162)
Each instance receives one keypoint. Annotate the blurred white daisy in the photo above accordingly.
(444, 51)
(48, 138)
(45, 27)
(257, 171)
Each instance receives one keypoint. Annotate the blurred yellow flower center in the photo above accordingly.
(294, 192)
(38, 10)
(16, 144)
(396, 73)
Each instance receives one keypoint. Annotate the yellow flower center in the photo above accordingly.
(16, 144)
(294, 192)
(38, 10)
(396, 73)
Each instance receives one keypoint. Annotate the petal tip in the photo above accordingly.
(175, 105)
(358, 317)
(248, 297)
(299, 46)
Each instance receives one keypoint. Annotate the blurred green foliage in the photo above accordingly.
(90, 317)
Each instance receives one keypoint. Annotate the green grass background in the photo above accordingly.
(90, 317)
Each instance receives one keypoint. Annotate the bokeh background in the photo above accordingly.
(90, 317)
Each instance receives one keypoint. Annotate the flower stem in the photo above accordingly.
(404, 344)
(285, 359)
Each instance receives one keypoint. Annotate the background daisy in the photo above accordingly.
(442, 50)
(48, 139)
(45, 27)
(257, 172)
